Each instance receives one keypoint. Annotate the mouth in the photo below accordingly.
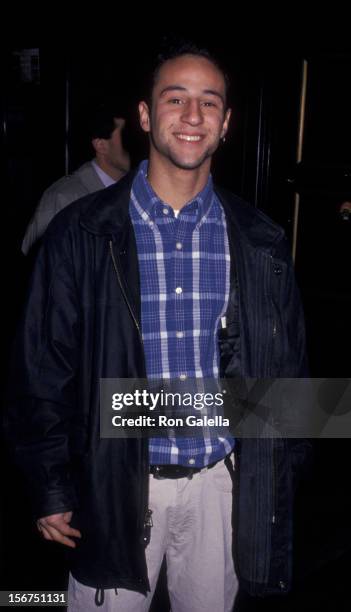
(189, 137)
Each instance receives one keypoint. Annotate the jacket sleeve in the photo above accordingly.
(42, 397)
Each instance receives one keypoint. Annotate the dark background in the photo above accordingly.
(47, 92)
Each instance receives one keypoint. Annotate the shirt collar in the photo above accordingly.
(153, 205)
(105, 178)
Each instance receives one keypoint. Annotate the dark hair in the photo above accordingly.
(173, 47)
(101, 122)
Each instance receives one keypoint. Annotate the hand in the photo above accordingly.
(56, 528)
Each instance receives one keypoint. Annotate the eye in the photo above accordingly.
(174, 101)
(209, 104)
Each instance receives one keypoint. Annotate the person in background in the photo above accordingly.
(110, 163)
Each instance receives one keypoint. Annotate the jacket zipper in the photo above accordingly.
(146, 512)
(148, 523)
(124, 293)
(273, 519)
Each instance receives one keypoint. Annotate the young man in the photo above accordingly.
(136, 282)
(110, 163)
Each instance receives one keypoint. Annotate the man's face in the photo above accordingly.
(188, 117)
(115, 153)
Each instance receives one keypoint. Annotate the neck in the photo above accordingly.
(112, 171)
(176, 186)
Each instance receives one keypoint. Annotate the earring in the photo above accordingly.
(223, 139)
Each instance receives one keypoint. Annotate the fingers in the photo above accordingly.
(63, 528)
(58, 536)
(56, 528)
(44, 532)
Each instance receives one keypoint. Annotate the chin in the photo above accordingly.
(189, 164)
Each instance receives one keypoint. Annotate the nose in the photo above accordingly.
(192, 113)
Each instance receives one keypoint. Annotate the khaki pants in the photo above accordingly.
(192, 527)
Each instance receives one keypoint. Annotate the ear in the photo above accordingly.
(226, 122)
(100, 145)
(144, 116)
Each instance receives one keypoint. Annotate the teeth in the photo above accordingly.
(188, 138)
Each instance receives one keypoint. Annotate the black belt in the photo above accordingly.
(176, 471)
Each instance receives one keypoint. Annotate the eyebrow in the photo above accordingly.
(211, 92)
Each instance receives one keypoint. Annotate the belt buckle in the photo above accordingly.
(185, 472)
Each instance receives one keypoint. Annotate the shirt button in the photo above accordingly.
(191, 461)
(180, 334)
(183, 377)
(179, 290)
(179, 246)
(165, 211)
(151, 223)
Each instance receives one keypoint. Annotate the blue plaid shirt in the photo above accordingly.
(184, 266)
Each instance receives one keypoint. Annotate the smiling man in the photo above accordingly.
(188, 118)
(162, 276)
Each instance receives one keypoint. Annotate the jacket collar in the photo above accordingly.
(249, 225)
(107, 213)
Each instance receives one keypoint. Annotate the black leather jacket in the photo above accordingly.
(82, 323)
